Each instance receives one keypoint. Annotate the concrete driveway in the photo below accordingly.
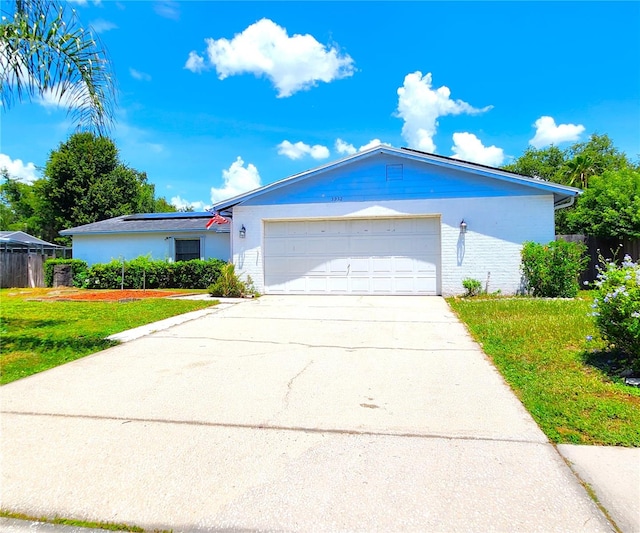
(289, 414)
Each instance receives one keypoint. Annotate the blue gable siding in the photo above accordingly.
(372, 179)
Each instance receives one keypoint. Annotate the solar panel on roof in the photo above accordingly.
(168, 216)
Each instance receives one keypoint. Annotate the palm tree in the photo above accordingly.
(579, 170)
(46, 55)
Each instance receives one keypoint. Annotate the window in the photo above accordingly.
(187, 249)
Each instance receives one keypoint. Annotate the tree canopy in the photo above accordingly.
(610, 207)
(84, 181)
(594, 162)
(46, 53)
(573, 166)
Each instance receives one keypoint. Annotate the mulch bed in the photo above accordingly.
(127, 294)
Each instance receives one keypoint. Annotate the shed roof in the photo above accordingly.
(149, 223)
(22, 239)
(562, 193)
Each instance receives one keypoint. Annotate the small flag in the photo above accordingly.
(217, 219)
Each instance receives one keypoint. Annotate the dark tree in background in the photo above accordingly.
(85, 181)
(596, 161)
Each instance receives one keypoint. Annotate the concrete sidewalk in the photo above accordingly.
(319, 414)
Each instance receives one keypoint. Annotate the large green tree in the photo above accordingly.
(542, 163)
(610, 206)
(18, 206)
(85, 181)
(576, 166)
(46, 53)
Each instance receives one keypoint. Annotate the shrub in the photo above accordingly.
(472, 287)
(617, 307)
(79, 271)
(228, 285)
(553, 270)
(143, 272)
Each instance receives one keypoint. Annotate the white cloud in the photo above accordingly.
(167, 9)
(237, 179)
(371, 144)
(265, 49)
(195, 63)
(547, 132)
(139, 142)
(181, 203)
(139, 75)
(468, 147)
(74, 97)
(18, 170)
(300, 149)
(84, 2)
(420, 106)
(101, 25)
(343, 147)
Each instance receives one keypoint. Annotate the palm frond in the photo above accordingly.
(46, 54)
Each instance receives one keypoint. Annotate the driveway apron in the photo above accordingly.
(289, 414)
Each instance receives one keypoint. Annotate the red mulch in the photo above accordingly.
(127, 294)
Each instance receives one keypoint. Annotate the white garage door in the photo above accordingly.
(352, 256)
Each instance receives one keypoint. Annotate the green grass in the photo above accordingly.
(568, 384)
(108, 526)
(38, 335)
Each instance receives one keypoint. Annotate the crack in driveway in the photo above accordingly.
(285, 400)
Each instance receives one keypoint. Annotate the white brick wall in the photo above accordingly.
(490, 250)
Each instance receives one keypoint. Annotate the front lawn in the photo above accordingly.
(541, 349)
(37, 335)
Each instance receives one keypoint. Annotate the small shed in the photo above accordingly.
(22, 258)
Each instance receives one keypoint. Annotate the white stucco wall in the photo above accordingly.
(489, 251)
(103, 248)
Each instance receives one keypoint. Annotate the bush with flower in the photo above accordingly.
(617, 307)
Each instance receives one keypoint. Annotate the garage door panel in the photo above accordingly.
(338, 285)
(404, 264)
(360, 284)
(358, 265)
(317, 284)
(288, 265)
(425, 285)
(336, 245)
(361, 256)
(425, 266)
(361, 245)
(339, 265)
(382, 265)
(426, 226)
(404, 284)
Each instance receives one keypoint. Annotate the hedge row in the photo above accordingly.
(140, 273)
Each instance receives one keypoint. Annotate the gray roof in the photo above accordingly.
(563, 195)
(20, 238)
(150, 223)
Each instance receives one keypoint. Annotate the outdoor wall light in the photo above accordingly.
(243, 232)
(463, 226)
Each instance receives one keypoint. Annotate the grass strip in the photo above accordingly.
(108, 526)
(541, 349)
(38, 335)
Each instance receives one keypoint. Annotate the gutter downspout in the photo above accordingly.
(567, 203)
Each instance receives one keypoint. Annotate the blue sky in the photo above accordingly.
(216, 98)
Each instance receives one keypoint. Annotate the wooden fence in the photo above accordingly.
(607, 248)
(22, 269)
